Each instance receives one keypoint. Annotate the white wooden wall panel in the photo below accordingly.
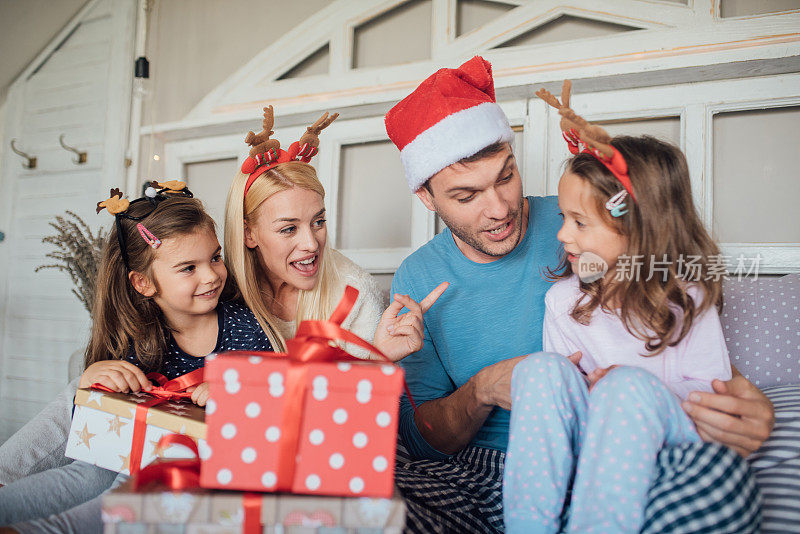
(684, 64)
(79, 87)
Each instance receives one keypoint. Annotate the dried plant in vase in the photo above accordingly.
(79, 253)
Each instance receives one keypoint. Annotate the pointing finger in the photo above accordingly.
(428, 301)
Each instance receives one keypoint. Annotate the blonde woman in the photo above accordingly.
(277, 250)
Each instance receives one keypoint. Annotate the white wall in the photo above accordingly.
(193, 45)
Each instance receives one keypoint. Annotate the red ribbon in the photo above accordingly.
(184, 473)
(176, 474)
(252, 513)
(312, 343)
(166, 390)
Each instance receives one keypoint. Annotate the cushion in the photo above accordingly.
(761, 323)
(777, 463)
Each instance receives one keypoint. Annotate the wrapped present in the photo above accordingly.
(314, 420)
(155, 508)
(121, 431)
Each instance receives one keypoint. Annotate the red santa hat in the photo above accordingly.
(452, 115)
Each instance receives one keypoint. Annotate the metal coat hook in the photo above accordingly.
(81, 155)
(31, 164)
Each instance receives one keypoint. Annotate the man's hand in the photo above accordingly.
(117, 375)
(493, 383)
(399, 336)
(738, 415)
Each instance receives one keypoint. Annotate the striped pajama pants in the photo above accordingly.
(699, 487)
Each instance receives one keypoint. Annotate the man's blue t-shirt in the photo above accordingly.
(491, 312)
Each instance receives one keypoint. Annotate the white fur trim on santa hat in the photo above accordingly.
(452, 139)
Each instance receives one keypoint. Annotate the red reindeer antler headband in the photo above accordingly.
(586, 138)
(266, 153)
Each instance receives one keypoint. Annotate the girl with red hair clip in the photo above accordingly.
(648, 335)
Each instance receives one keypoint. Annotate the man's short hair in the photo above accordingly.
(486, 152)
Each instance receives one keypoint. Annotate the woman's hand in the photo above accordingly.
(399, 336)
(738, 415)
(116, 375)
(199, 394)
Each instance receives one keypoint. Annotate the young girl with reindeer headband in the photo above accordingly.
(276, 245)
(647, 339)
(158, 307)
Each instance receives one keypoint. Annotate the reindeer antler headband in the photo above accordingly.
(154, 194)
(584, 137)
(266, 153)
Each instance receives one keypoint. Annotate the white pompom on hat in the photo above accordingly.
(452, 115)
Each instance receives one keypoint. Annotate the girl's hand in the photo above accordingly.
(399, 336)
(199, 394)
(116, 375)
(595, 375)
(738, 415)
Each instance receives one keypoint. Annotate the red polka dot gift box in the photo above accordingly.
(313, 420)
(345, 426)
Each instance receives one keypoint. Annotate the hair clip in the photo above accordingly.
(616, 204)
(582, 137)
(149, 238)
(266, 153)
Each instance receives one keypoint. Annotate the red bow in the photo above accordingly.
(257, 165)
(312, 342)
(166, 390)
(184, 473)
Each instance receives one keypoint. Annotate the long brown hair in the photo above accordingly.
(124, 319)
(663, 224)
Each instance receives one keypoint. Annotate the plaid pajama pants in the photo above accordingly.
(699, 487)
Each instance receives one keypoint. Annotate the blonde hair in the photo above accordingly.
(243, 263)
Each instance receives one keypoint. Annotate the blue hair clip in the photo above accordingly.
(616, 204)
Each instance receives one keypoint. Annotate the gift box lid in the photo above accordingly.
(260, 368)
(182, 416)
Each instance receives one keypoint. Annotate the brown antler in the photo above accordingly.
(172, 185)
(261, 142)
(590, 134)
(114, 203)
(311, 137)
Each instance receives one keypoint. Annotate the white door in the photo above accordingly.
(80, 87)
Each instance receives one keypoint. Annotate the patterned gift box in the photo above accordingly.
(222, 512)
(102, 428)
(345, 418)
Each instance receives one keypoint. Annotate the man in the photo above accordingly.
(454, 145)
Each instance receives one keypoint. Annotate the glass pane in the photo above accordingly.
(472, 14)
(667, 128)
(209, 182)
(314, 64)
(374, 201)
(375, 43)
(566, 28)
(741, 8)
(756, 186)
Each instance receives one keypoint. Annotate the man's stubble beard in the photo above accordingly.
(474, 241)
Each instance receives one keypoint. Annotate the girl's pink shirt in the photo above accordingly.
(689, 366)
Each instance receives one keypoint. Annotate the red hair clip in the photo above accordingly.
(148, 236)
